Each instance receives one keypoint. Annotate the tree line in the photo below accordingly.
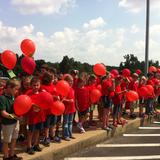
(67, 64)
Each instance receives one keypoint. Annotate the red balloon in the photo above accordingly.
(150, 89)
(28, 47)
(28, 64)
(158, 70)
(95, 95)
(8, 59)
(131, 96)
(152, 69)
(57, 108)
(143, 91)
(138, 71)
(126, 72)
(22, 105)
(44, 100)
(115, 72)
(99, 69)
(62, 87)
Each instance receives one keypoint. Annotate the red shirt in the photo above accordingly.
(50, 88)
(133, 85)
(117, 99)
(123, 85)
(33, 116)
(70, 106)
(106, 85)
(83, 98)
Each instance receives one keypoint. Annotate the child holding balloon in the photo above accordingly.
(69, 102)
(35, 117)
(117, 101)
(51, 119)
(10, 126)
(82, 103)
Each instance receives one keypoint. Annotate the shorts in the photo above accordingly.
(51, 120)
(59, 119)
(10, 132)
(83, 113)
(37, 126)
(92, 107)
(116, 109)
(106, 101)
(142, 101)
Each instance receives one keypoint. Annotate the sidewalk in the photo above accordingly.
(93, 135)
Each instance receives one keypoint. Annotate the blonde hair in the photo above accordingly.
(12, 83)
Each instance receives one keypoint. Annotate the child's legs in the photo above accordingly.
(30, 135)
(65, 125)
(58, 123)
(9, 132)
(70, 121)
(53, 125)
(47, 126)
(14, 138)
(100, 111)
(36, 137)
(83, 116)
(38, 127)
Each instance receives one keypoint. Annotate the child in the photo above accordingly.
(107, 88)
(91, 86)
(36, 118)
(51, 119)
(142, 83)
(82, 103)
(69, 102)
(117, 101)
(25, 86)
(133, 85)
(9, 120)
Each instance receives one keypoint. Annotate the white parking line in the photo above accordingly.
(141, 135)
(149, 127)
(115, 158)
(130, 145)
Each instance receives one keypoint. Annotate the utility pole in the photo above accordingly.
(147, 37)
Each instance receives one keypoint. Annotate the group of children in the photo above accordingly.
(42, 123)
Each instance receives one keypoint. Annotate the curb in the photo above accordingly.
(92, 138)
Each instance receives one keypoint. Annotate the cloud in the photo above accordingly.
(90, 45)
(44, 7)
(95, 23)
(136, 6)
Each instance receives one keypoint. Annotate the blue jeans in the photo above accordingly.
(149, 106)
(67, 125)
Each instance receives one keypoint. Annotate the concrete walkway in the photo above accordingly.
(93, 135)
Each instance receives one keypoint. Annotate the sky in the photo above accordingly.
(92, 31)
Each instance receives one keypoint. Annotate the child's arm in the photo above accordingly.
(8, 115)
(67, 100)
(122, 92)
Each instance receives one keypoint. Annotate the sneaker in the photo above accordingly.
(72, 137)
(37, 148)
(30, 151)
(57, 139)
(15, 157)
(107, 128)
(66, 138)
(81, 128)
(46, 142)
